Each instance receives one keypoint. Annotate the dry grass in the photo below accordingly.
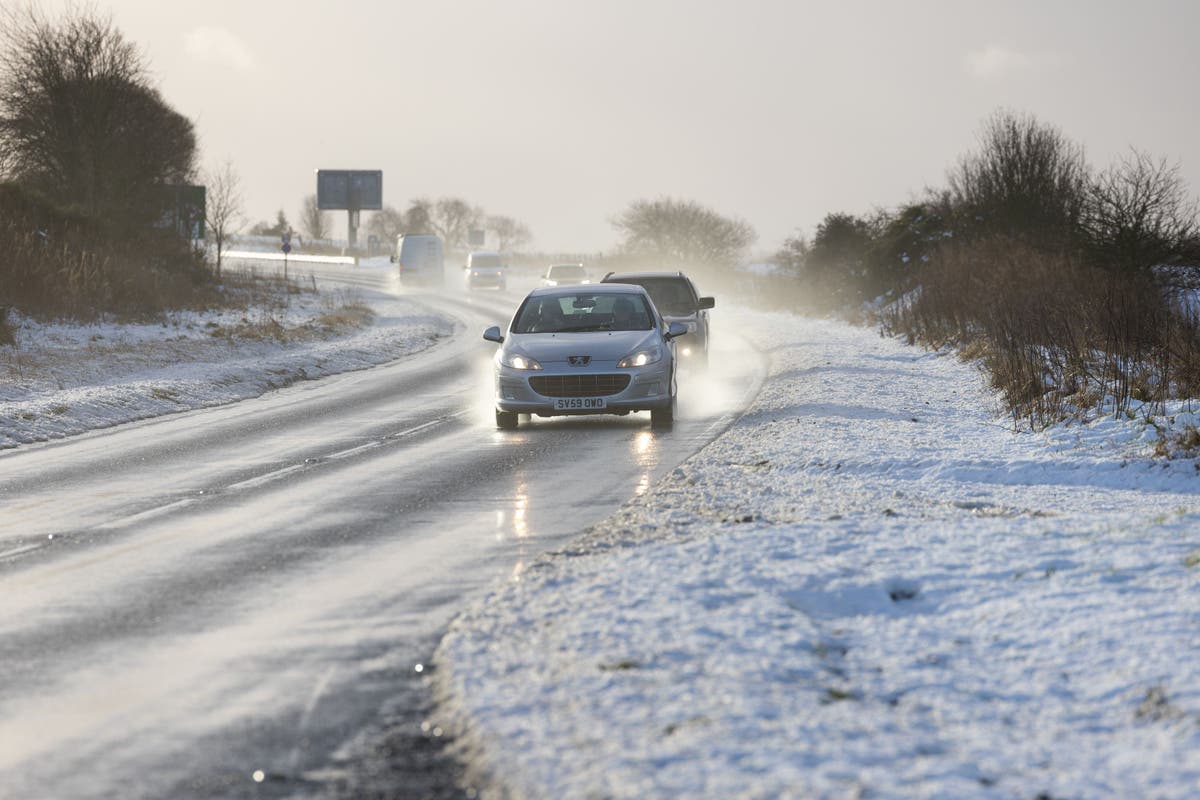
(1056, 336)
(59, 264)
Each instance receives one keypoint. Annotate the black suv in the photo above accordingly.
(676, 298)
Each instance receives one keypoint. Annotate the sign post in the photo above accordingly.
(286, 248)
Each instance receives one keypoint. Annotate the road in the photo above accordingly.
(238, 601)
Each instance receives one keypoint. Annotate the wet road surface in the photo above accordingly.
(237, 601)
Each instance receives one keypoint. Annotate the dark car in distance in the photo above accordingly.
(677, 300)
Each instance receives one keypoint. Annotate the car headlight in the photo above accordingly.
(641, 358)
(518, 361)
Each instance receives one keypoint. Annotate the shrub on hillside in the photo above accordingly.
(1054, 333)
(1027, 181)
(81, 121)
(1138, 214)
(61, 263)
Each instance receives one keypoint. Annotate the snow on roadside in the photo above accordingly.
(870, 586)
(64, 379)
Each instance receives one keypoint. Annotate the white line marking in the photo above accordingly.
(259, 480)
(341, 454)
(142, 516)
(16, 551)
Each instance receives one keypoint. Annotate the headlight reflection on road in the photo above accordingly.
(511, 521)
(645, 454)
(644, 449)
(520, 504)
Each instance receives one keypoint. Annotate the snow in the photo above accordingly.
(63, 379)
(870, 586)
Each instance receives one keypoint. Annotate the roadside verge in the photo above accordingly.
(61, 380)
(870, 584)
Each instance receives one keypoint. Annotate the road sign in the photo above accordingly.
(349, 189)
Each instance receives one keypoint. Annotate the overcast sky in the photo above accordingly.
(562, 112)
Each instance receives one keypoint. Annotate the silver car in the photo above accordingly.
(586, 350)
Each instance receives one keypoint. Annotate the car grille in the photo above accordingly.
(578, 385)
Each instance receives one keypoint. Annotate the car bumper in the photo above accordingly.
(649, 388)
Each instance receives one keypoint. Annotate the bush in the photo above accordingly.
(1138, 215)
(61, 263)
(81, 120)
(1055, 334)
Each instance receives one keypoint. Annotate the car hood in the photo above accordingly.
(599, 345)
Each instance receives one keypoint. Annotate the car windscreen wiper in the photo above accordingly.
(585, 328)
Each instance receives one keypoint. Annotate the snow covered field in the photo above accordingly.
(870, 586)
(64, 379)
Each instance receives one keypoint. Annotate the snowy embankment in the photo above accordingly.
(870, 586)
(64, 379)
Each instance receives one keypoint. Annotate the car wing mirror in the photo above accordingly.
(705, 303)
(676, 329)
(492, 334)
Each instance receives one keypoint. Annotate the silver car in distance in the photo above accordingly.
(586, 350)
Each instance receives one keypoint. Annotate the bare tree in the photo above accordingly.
(510, 234)
(419, 217)
(452, 218)
(80, 120)
(678, 234)
(1027, 180)
(313, 221)
(223, 206)
(1138, 214)
(386, 224)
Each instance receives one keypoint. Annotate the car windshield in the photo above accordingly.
(670, 295)
(485, 261)
(586, 311)
(561, 271)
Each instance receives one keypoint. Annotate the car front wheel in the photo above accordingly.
(663, 417)
(506, 420)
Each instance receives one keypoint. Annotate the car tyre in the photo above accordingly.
(663, 417)
(506, 420)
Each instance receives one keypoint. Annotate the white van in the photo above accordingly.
(420, 259)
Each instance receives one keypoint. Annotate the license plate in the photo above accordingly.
(579, 403)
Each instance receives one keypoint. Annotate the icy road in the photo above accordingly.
(228, 602)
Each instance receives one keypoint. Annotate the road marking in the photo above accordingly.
(260, 480)
(250, 483)
(16, 551)
(142, 516)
